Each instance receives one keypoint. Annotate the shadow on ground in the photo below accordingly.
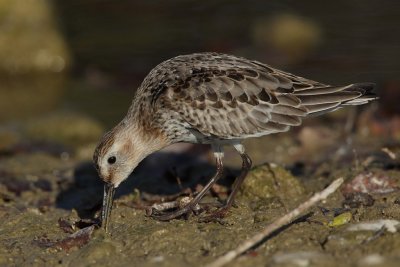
(160, 174)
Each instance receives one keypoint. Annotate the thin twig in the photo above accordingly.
(389, 153)
(280, 222)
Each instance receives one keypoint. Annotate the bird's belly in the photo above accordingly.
(178, 130)
(185, 133)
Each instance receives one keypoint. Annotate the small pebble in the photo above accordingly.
(372, 183)
(358, 199)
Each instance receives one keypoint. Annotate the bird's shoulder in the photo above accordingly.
(224, 95)
(193, 75)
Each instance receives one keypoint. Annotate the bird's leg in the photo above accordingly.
(246, 166)
(188, 208)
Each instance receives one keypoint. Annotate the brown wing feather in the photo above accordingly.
(233, 97)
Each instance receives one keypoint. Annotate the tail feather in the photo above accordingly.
(319, 91)
(338, 97)
(326, 99)
(320, 109)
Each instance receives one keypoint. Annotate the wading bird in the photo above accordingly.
(215, 99)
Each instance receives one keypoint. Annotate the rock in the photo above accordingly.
(378, 183)
(271, 181)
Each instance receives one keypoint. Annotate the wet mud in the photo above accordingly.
(50, 197)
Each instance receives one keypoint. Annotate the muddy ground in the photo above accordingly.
(50, 195)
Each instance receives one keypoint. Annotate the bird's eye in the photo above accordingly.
(111, 160)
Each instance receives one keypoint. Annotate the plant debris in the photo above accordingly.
(77, 239)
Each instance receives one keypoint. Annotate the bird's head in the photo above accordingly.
(115, 158)
(117, 155)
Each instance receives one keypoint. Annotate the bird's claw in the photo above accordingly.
(159, 211)
(167, 216)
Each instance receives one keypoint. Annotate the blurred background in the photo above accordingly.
(69, 69)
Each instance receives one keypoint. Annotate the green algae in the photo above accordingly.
(341, 219)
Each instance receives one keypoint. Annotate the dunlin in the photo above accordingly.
(215, 99)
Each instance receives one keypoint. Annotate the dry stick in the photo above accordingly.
(280, 222)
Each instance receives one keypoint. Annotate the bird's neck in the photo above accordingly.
(143, 139)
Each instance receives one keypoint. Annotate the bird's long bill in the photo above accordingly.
(108, 200)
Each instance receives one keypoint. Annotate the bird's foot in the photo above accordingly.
(185, 206)
(167, 216)
(158, 211)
